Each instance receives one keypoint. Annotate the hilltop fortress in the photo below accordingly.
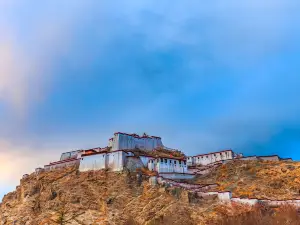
(131, 151)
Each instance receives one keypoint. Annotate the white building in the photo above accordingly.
(123, 141)
(115, 161)
(167, 165)
(209, 158)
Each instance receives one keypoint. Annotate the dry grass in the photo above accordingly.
(285, 215)
(257, 179)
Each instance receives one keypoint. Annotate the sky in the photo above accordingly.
(203, 75)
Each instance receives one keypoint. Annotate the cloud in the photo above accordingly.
(203, 75)
(31, 44)
(19, 159)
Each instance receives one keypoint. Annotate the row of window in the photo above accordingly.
(215, 155)
(170, 161)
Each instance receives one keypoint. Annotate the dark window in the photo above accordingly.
(207, 156)
(170, 161)
(174, 162)
(179, 162)
(166, 161)
(161, 160)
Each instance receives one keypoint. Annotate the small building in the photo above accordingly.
(69, 155)
(205, 159)
(168, 165)
(62, 164)
(77, 154)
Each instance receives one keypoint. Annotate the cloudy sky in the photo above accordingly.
(204, 75)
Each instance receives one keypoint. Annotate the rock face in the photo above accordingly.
(66, 196)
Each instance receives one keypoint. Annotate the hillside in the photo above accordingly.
(66, 196)
(69, 197)
(257, 179)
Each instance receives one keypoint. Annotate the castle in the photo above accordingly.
(131, 151)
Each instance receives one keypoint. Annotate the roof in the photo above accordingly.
(138, 136)
(95, 153)
(62, 161)
(229, 150)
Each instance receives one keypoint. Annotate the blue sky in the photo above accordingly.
(203, 75)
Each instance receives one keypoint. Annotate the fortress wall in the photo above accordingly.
(116, 160)
(93, 162)
(123, 141)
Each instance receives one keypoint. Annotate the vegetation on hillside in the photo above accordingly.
(257, 179)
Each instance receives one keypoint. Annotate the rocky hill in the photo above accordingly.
(257, 179)
(68, 197)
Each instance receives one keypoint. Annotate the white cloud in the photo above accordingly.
(18, 160)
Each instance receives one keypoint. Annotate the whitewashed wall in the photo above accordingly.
(113, 160)
(116, 160)
(179, 176)
(93, 162)
(225, 196)
(125, 141)
(190, 161)
(211, 158)
(164, 165)
(146, 160)
(245, 201)
(68, 155)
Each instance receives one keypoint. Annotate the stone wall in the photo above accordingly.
(122, 141)
(177, 176)
(114, 161)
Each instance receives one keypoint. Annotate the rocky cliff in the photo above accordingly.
(68, 197)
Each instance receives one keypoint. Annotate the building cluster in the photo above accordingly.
(131, 151)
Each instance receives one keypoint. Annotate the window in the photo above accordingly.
(166, 161)
(170, 161)
(161, 160)
(207, 156)
(179, 162)
(174, 162)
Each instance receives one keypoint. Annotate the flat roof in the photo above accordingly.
(138, 136)
(229, 150)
